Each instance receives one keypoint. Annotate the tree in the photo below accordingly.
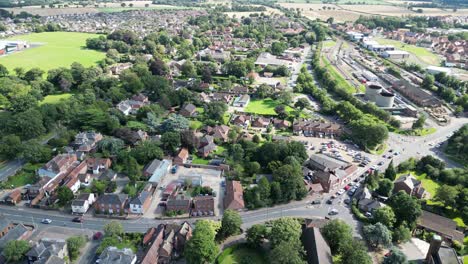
(264, 91)
(419, 122)
(74, 245)
(170, 142)
(131, 168)
(447, 195)
(278, 47)
(64, 194)
(27, 124)
(396, 257)
(390, 172)
(206, 75)
(230, 223)
(3, 71)
(33, 74)
(377, 235)
(355, 252)
(368, 133)
(285, 97)
(281, 111)
(113, 228)
(215, 110)
(291, 179)
(10, 147)
(428, 82)
(188, 69)
(385, 187)
(302, 103)
(405, 207)
(15, 249)
(158, 67)
(175, 123)
(286, 253)
(401, 234)
(337, 234)
(147, 151)
(256, 234)
(384, 215)
(202, 248)
(285, 230)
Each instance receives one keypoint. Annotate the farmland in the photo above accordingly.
(53, 50)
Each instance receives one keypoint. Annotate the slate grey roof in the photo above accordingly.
(141, 198)
(4, 222)
(111, 198)
(113, 255)
(13, 234)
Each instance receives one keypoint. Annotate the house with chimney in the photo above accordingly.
(178, 203)
(330, 172)
(234, 196)
(86, 142)
(242, 120)
(131, 106)
(310, 128)
(48, 251)
(57, 165)
(140, 203)
(203, 206)
(113, 255)
(220, 132)
(111, 203)
(260, 122)
(409, 184)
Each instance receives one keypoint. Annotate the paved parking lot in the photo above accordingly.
(208, 177)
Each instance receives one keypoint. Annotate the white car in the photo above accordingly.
(340, 192)
(46, 221)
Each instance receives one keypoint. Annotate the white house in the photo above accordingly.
(82, 203)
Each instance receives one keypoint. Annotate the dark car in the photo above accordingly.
(317, 201)
(78, 219)
(97, 236)
(329, 201)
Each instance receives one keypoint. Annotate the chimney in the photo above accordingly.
(433, 249)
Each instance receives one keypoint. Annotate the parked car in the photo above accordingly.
(333, 212)
(340, 192)
(97, 236)
(368, 215)
(347, 187)
(317, 201)
(347, 201)
(46, 221)
(78, 219)
(329, 201)
(381, 163)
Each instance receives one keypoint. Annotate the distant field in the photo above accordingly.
(154, 7)
(424, 55)
(366, 2)
(56, 49)
(55, 98)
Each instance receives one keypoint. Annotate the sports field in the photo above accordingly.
(52, 50)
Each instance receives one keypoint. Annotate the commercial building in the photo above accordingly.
(395, 54)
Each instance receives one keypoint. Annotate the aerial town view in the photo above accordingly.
(234, 131)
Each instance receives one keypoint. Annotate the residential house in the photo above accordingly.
(239, 90)
(241, 120)
(260, 122)
(58, 165)
(118, 68)
(221, 97)
(48, 251)
(221, 132)
(181, 157)
(330, 172)
(18, 232)
(440, 225)
(131, 106)
(234, 197)
(409, 184)
(13, 197)
(179, 203)
(203, 205)
(265, 59)
(82, 203)
(188, 110)
(281, 124)
(153, 237)
(110, 203)
(206, 150)
(241, 101)
(206, 140)
(86, 142)
(113, 255)
(108, 175)
(156, 170)
(316, 129)
(365, 201)
(98, 165)
(140, 203)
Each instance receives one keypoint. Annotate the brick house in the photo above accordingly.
(181, 157)
(203, 205)
(179, 203)
(409, 184)
(234, 198)
(110, 203)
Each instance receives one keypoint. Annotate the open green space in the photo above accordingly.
(55, 98)
(26, 176)
(201, 161)
(51, 50)
(342, 82)
(241, 254)
(195, 124)
(417, 132)
(121, 9)
(264, 107)
(328, 44)
(423, 54)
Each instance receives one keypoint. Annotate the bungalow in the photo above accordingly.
(156, 170)
(111, 203)
(241, 100)
(182, 157)
(234, 198)
(261, 122)
(188, 110)
(239, 90)
(443, 226)
(140, 203)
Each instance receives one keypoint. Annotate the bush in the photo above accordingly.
(360, 216)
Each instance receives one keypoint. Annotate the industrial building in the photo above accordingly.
(395, 54)
(436, 70)
(376, 93)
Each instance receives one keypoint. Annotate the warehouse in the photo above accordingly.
(395, 54)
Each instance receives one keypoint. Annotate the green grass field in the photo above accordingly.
(56, 49)
(424, 55)
(121, 9)
(342, 82)
(55, 98)
(264, 107)
(329, 44)
(241, 254)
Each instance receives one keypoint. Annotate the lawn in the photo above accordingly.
(201, 161)
(55, 98)
(195, 124)
(264, 107)
(329, 43)
(26, 176)
(423, 54)
(418, 132)
(342, 82)
(53, 50)
(241, 254)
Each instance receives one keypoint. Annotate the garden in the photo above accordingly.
(241, 254)
(264, 107)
